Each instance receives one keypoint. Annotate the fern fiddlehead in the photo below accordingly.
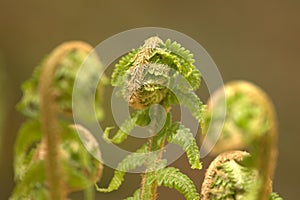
(250, 124)
(52, 148)
(146, 76)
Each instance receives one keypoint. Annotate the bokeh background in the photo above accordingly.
(254, 40)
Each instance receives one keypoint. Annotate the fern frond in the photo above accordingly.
(136, 195)
(275, 196)
(176, 48)
(140, 117)
(185, 139)
(65, 76)
(27, 140)
(132, 161)
(33, 184)
(173, 178)
(190, 100)
(184, 62)
(121, 67)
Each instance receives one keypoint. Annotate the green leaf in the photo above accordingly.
(65, 76)
(132, 161)
(27, 140)
(32, 185)
(139, 117)
(274, 196)
(185, 139)
(190, 100)
(121, 67)
(136, 195)
(173, 178)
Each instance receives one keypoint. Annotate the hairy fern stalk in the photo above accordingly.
(157, 73)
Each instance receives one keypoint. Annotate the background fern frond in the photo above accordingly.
(65, 76)
(28, 138)
(275, 196)
(33, 184)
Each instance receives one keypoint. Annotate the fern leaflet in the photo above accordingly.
(184, 138)
(173, 178)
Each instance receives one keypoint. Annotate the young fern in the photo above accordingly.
(54, 157)
(250, 124)
(50, 158)
(154, 74)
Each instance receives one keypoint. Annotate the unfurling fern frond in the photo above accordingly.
(173, 178)
(131, 162)
(65, 76)
(131, 74)
(250, 124)
(185, 139)
(228, 177)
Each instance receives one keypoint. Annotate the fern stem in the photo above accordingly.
(50, 124)
(153, 187)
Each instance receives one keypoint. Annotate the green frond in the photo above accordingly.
(121, 67)
(176, 48)
(190, 100)
(80, 167)
(65, 76)
(185, 139)
(32, 185)
(146, 83)
(275, 196)
(132, 161)
(247, 116)
(27, 140)
(136, 195)
(173, 178)
(184, 62)
(234, 181)
(140, 117)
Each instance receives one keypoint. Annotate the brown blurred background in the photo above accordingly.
(253, 40)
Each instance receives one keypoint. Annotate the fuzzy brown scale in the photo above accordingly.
(139, 93)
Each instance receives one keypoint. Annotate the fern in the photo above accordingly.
(28, 137)
(192, 102)
(154, 74)
(136, 195)
(173, 178)
(121, 67)
(32, 184)
(184, 138)
(64, 80)
(132, 161)
(137, 118)
(275, 196)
